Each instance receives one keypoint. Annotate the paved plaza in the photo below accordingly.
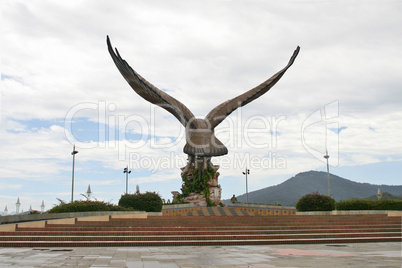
(317, 255)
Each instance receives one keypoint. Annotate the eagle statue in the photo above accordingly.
(201, 142)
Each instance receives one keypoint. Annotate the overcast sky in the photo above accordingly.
(59, 87)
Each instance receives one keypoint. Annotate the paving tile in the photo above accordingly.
(315, 255)
(151, 264)
(134, 264)
(168, 264)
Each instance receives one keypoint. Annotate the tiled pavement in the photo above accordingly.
(318, 255)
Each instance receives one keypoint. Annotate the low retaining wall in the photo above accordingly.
(260, 206)
(179, 209)
(53, 216)
(352, 212)
(262, 210)
(11, 227)
(265, 210)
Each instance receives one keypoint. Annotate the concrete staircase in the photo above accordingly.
(207, 230)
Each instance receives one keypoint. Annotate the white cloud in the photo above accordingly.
(7, 186)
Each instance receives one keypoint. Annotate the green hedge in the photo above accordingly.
(315, 202)
(85, 206)
(149, 202)
(366, 204)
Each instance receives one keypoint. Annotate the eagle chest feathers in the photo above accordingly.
(201, 140)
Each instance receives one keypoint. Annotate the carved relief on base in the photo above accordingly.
(197, 200)
(215, 195)
(214, 190)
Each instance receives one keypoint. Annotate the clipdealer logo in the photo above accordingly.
(320, 132)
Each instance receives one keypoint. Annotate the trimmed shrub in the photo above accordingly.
(149, 202)
(85, 206)
(367, 204)
(387, 204)
(355, 204)
(315, 202)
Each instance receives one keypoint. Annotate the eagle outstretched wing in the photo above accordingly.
(200, 137)
(219, 113)
(151, 93)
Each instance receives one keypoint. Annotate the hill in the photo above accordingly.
(290, 191)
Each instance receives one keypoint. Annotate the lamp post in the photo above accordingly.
(127, 172)
(74, 152)
(17, 206)
(247, 171)
(326, 156)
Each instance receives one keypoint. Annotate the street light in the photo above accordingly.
(5, 211)
(326, 156)
(17, 206)
(74, 152)
(127, 172)
(247, 171)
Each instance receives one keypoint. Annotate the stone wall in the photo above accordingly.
(51, 216)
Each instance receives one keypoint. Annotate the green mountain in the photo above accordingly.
(290, 191)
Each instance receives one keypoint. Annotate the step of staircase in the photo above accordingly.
(210, 230)
(196, 242)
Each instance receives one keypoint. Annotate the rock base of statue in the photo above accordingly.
(214, 188)
(198, 199)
